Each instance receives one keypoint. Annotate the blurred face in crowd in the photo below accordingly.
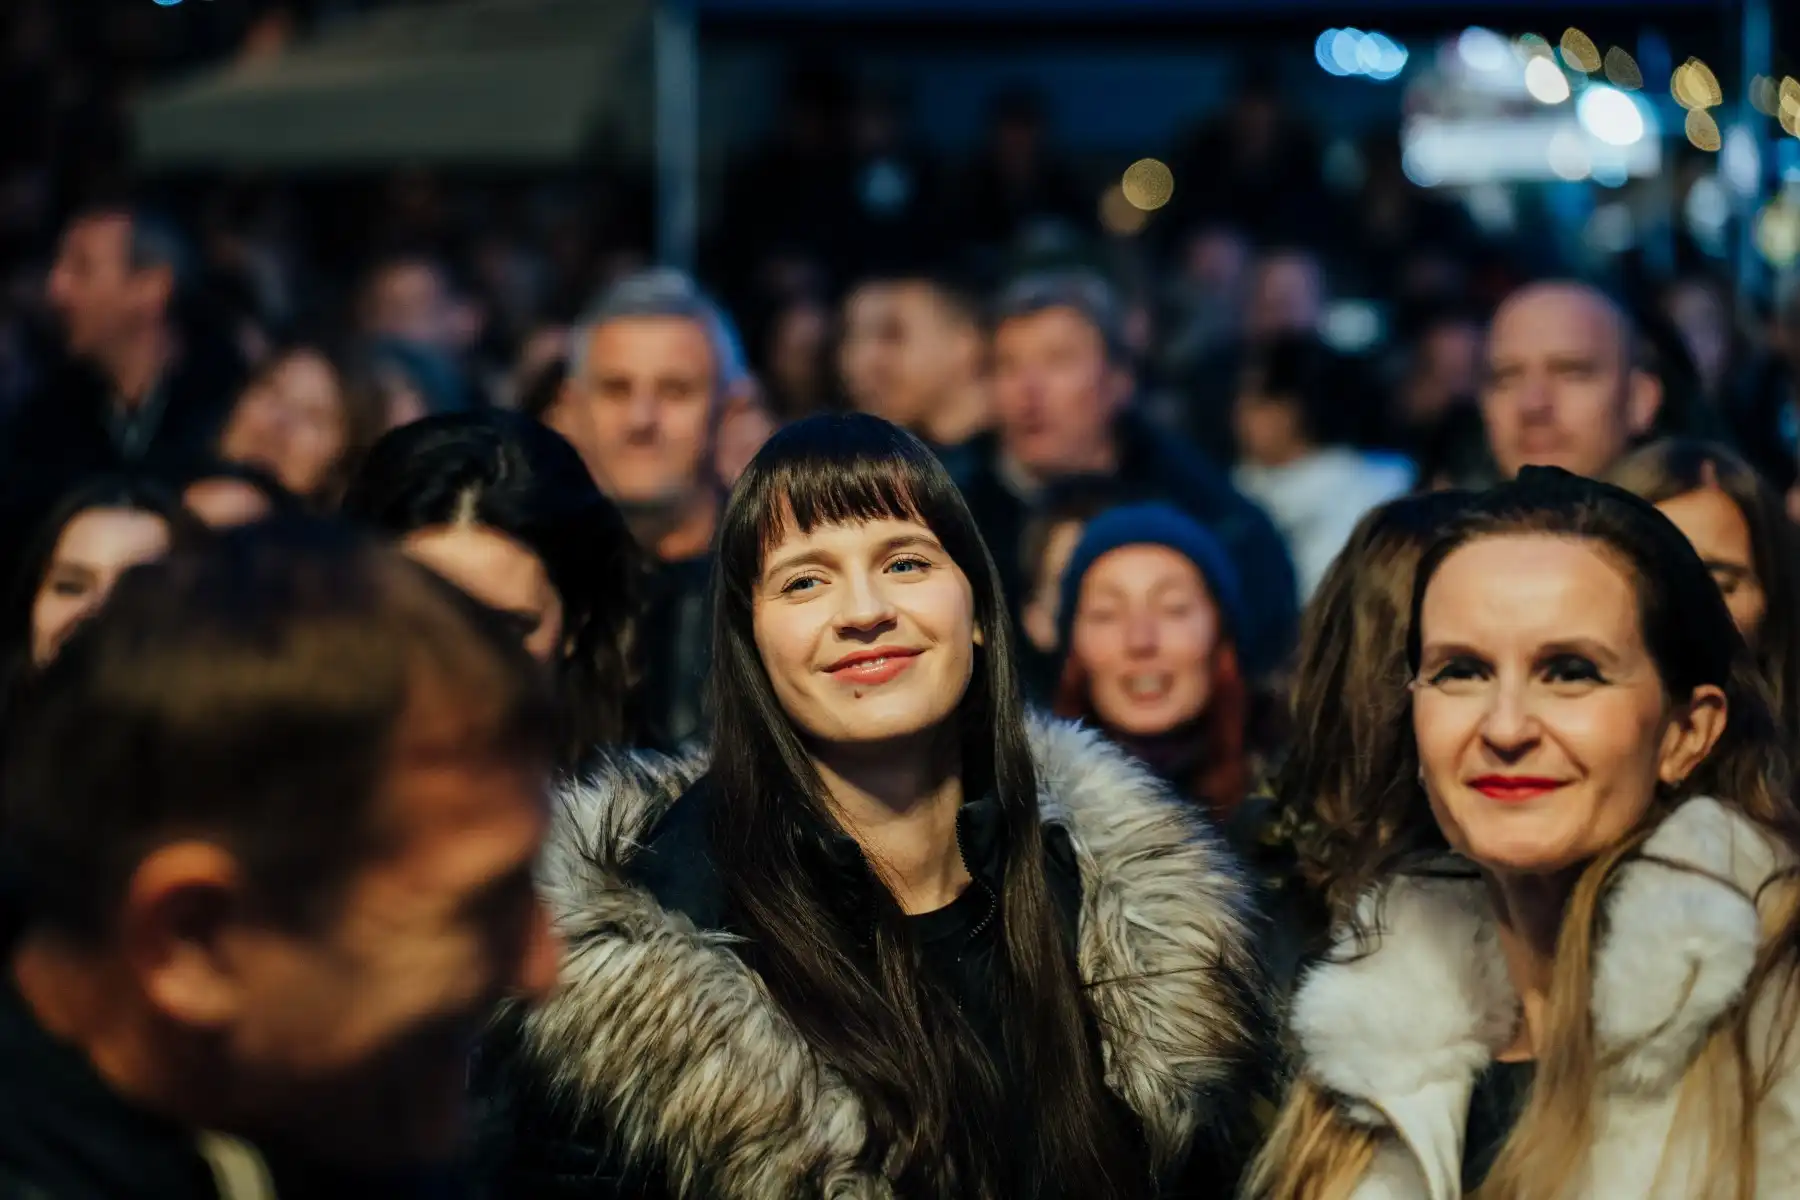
(1270, 429)
(645, 409)
(95, 548)
(1543, 724)
(1146, 631)
(1287, 296)
(1560, 388)
(95, 292)
(1056, 393)
(867, 631)
(905, 351)
(1445, 370)
(352, 1035)
(411, 301)
(224, 503)
(499, 571)
(291, 423)
(1716, 527)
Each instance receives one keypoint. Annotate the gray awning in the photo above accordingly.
(491, 82)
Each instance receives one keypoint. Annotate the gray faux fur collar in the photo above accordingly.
(1401, 1032)
(660, 1030)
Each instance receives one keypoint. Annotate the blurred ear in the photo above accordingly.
(1694, 729)
(179, 907)
(156, 285)
(1644, 402)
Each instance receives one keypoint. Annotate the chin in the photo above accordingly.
(1524, 851)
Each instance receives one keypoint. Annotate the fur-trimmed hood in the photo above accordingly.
(660, 1032)
(1401, 1033)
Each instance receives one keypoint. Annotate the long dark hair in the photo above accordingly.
(513, 475)
(130, 492)
(846, 969)
(1676, 467)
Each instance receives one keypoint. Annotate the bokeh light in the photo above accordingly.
(1622, 70)
(1119, 216)
(1148, 184)
(1702, 130)
(1765, 96)
(1610, 115)
(1344, 52)
(1579, 51)
(1695, 86)
(1787, 105)
(1483, 50)
(1546, 81)
(1776, 233)
(1569, 156)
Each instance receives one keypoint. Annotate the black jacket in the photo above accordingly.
(1154, 466)
(661, 1069)
(71, 429)
(677, 645)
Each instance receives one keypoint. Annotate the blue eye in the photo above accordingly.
(911, 563)
(798, 585)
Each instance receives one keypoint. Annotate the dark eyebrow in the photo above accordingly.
(1433, 653)
(1580, 647)
(804, 558)
(911, 541)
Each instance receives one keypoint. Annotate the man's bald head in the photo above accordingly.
(1561, 386)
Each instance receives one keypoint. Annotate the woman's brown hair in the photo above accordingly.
(1349, 687)
(1676, 467)
(1316, 1152)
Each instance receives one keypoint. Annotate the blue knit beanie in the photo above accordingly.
(1151, 525)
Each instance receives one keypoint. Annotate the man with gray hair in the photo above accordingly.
(655, 370)
(1062, 384)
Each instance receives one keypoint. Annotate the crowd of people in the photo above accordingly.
(934, 713)
(983, 792)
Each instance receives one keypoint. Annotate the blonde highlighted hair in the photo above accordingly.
(1317, 1151)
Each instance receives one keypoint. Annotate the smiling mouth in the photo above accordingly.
(1515, 789)
(869, 669)
(1147, 687)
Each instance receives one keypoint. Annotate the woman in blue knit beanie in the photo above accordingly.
(1148, 619)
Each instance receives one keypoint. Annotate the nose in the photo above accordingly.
(865, 605)
(1509, 727)
(640, 411)
(1536, 400)
(541, 959)
(1140, 633)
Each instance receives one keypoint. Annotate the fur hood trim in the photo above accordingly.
(1401, 1032)
(660, 1031)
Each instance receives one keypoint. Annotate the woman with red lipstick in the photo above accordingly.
(895, 939)
(1574, 970)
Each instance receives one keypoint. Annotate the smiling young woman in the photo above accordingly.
(1576, 965)
(896, 940)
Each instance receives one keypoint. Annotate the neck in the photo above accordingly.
(679, 531)
(135, 363)
(964, 413)
(86, 1002)
(1530, 909)
(900, 805)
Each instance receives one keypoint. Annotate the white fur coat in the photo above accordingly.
(662, 1034)
(1401, 1033)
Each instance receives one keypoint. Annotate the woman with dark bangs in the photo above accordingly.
(896, 939)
